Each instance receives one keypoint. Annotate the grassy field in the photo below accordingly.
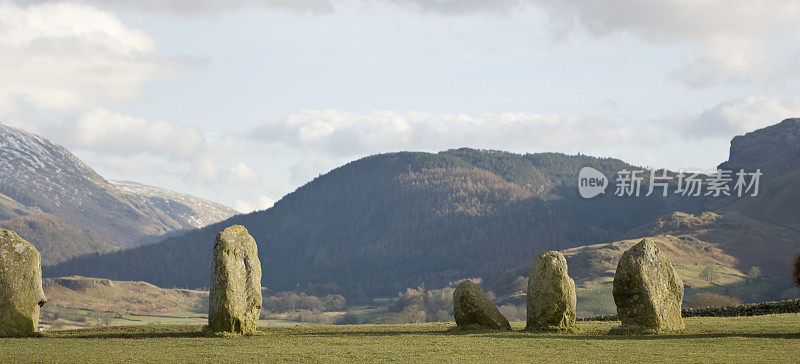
(740, 339)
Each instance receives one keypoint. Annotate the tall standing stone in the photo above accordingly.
(235, 298)
(551, 293)
(647, 291)
(473, 309)
(21, 292)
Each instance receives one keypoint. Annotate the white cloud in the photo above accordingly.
(310, 167)
(731, 41)
(460, 7)
(105, 131)
(737, 117)
(242, 206)
(321, 140)
(305, 144)
(740, 42)
(227, 164)
(261, 202)
(243, 174)
(337, 133)
(166, 154)
(214, 170)
(66, 55)
(210, 7)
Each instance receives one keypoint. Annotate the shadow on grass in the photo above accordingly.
(548, 335)
(354, 331)
(142, 335)
(131, 332)
(521, 335)
(367, 333)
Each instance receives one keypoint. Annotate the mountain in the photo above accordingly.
(190, 211)
(68, 207)
(54, 238)
(774, 149)
(749, 244)
(11, 209)
(386, 222)
(383, 223)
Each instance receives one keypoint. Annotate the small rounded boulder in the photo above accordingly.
(473, 309)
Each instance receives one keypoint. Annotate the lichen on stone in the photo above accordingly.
(21, 293)
(235, 290)
(473, 309)
(647, 291)
(551, 294)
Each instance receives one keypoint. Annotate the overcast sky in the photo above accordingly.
(242, 101)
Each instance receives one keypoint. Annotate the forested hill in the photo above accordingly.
(382, 223)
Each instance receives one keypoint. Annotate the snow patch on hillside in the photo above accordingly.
(191, 210)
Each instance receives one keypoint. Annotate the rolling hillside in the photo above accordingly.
(54, 238)
(731, 255)
(74, 302)
(383, 223)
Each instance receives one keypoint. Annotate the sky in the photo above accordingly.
(243, 101)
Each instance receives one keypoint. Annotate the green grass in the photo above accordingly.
(595, 297)
(739, 339)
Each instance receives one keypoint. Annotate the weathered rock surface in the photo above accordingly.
(21, 292)
(773, 150)
(647, 291)
(235, 292)
(551, 293)
(472, 309)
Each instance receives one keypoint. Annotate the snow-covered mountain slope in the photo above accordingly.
(192, 212)
(40, 176)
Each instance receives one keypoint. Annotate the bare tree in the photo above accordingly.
(709, 273)
(754, 273)
(796, 274)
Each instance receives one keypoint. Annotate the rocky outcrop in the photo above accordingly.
(773, 150)
(647, 291)
(234, 304)
(78, 283)
(473, 309)
(21, 292)
(551, 294)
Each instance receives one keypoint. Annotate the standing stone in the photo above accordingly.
(234, 303)
(551, 294)
(21, 292)
(473, 310)
(647, 291)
